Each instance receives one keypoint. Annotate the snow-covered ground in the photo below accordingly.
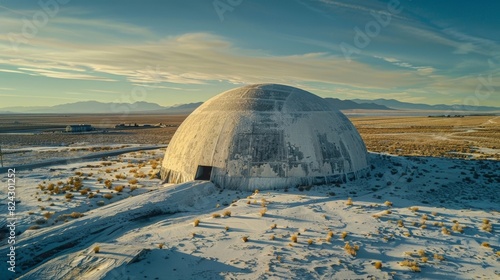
(439, 217)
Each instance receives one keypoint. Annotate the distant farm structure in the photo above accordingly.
(135, 125)
(79, 128)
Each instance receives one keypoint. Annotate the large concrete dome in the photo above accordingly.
(265, 136)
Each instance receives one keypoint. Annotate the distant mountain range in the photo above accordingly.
(349, 104)
(398, 105)
(95, 107)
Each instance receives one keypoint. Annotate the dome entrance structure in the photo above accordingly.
(265, 136)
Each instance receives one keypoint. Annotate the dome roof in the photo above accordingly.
(265, 136)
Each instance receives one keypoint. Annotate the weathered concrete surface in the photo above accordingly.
(265, 137)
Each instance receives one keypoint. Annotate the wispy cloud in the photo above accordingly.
(424, 70)
(63, 75)
(12, 71)
(194, 58)
(103, 91)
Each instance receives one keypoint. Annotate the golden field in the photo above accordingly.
(457, 137)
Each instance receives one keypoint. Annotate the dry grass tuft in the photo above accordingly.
(96, 249)
(216, 215)
(388, 203)
(351, 250)
(445, 231)
(349, 202)
(133, 181)
(413, 265)
(47, 215)
(343, 235)
(487, 226)
(262, 212)
(457, 227)
(378, 265)
(108, 196)
(227, 213)
(245, 238)
(76, 215)
(108, 184)
(438, 257)
(196, 222)
(294, 238)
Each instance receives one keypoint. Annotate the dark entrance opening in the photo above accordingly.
(203, 173)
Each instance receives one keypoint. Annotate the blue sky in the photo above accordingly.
(180, 51)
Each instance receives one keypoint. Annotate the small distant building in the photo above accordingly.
(79, 128)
